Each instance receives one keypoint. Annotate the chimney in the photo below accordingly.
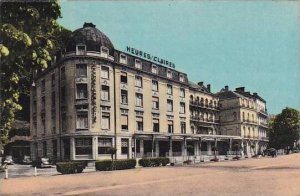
(88, 24)
(226, 88)
(255, 94)
(242, 89)
(200, 83)
(208, 87)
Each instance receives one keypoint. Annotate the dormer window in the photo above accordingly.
(138, 64)
(80, 49)
(104, 52)
(169, 74)
(123, 59)
(154, 69)
(181, 78)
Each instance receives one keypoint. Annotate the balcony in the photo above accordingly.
(202, 105)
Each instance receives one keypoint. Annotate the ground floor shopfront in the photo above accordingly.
(180, 147)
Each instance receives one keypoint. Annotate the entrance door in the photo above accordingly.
(163, 148)
(66, 149)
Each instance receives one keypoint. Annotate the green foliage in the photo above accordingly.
(70, 167)
(30, 36)
(154, 162)
(285, 129)
(109, 165)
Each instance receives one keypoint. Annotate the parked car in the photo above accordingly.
(26, 160)
(270, 152)
(8, 160)
(42, 163)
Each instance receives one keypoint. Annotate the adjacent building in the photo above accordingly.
(95, 97)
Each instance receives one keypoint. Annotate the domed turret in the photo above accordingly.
(90, 36)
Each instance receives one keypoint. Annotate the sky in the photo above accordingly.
(254, 44)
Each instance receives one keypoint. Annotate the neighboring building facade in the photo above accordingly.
(96, 97)
(244, 114)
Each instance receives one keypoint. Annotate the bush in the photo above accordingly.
(108, 165)
(154, 162)
(70, 167)
(105, 165)
(214, 159)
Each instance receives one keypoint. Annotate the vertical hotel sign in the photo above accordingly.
(149, 57)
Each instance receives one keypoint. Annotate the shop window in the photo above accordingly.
(104, 144)
(83, 146)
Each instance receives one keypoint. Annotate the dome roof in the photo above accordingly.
(91, 37)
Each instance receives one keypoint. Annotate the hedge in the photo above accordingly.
(154, 162)
(109, 165)
(70, 167)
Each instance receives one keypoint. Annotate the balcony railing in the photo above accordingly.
(202, 105)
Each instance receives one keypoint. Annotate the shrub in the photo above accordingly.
(214, 159)
(236, 158)
(70, 167)
(104, 165)
(108, 165)
(154, 162)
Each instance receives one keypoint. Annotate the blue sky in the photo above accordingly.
(237, 43)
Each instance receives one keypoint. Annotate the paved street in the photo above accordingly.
(266, 176)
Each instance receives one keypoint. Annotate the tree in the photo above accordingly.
(112, 151)
(28, 41)
(285, 131)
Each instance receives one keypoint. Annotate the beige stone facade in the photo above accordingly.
(95, 97)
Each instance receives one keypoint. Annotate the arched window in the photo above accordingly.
(192, 129)
(206, 102)
(191, 98)
(197, 99)
(234, 115)
(243, 116)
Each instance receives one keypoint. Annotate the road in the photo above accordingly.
(266, 176)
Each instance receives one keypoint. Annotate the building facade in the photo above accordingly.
(95, 97)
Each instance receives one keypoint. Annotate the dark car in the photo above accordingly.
(42, 163)
(270, 152)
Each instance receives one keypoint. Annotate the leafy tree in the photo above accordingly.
(285, 129)
(29, 38)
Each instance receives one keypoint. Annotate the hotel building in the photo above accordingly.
(95, 97)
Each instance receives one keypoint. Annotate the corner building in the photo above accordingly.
(94, 97)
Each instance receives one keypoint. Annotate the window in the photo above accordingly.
(155, 103)
(139, 124)
(80, 50)
(154, 69)
(169, 74)
(154, 85)
(104, 72)
(123, 59)
(138, 64)
(182, 127)
(181, 78)
(63, 95)
(182, 92)
(81, 70)
(104, 52)
(53, 120)
(53, 99)
(155, 125)
(44, 149)
(182, 108)
(43, 103)
(43, 86)
(124, 146)
(124, 97)
(105, 93)
(81, 91)
(64, 121)
(63, 73)
(169, 105)
(123, 77)
(83, 146)
(139, 81)
(82, 120)
(169, 89)
(105, 121)
(43, 117)
(53, 80)
(234, 115)
(124, 122)
(139, 100)
(104, 144)
(170, 126)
